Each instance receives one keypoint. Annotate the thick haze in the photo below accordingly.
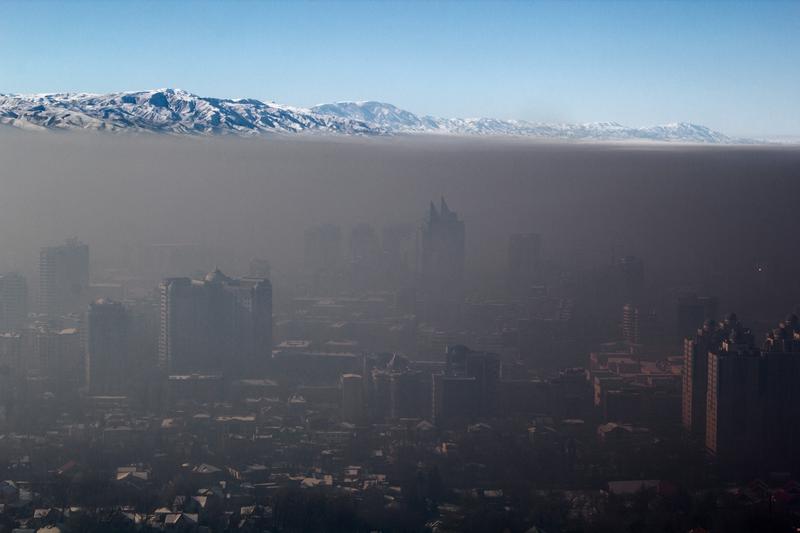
(710, 216)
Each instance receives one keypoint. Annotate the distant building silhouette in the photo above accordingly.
(781, 395)
(442, 261)
(468, 387)
(750, 419)
(695, 375)
(733, 399)
(217, 324)
(398, 391)
(109, 363)
(63, 278)
(353, 407)
(13, 301)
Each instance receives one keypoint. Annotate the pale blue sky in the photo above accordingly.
(733, 66)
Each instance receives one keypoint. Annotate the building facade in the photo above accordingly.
(13, 301)
(63, 278)
(217, 324)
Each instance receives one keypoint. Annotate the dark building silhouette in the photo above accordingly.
(468, 387)
(639, 325)
(63, 278)
(742, 400)
(781, 395)
(398, 391)
(13, 301)
(442, 262)
(631, 322)
(109, 361)
(218, 324)
(353, 406)
(695, 375)
(733, 400)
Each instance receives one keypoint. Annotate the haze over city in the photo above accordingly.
(399, 267)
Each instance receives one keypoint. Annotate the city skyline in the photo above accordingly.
(224, 313)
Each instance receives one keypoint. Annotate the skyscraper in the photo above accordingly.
(733, 402)
(352, 398)
(695, 376)
(468, 386)
(442, 261)
(109, 365)
(63, 278)
(781, 395)
(217, 324)
(13, 301)
(630, 324)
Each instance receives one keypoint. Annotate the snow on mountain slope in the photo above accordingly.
(393, 119)
(179, 112)
(167, 111)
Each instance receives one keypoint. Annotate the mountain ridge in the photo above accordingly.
(179, 112)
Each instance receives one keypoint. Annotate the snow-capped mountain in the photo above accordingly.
(393, 119)
(179, 112)
(166, 111)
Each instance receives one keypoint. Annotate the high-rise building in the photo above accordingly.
(454, 398)
(63, 278)
(13, 301)
(751, 413)
(524, 263)
(695, 375)
(733, 399)
(630, 324)
(60, 356)
(109, 364)
(468, 386)
(781, 396)
(398, 391)
(639, 326)
(353, 408)
(217, 324)
(442, 261)
(11, 363)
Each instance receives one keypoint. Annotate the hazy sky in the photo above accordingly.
(732, 66)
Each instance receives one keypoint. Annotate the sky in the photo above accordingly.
(732, 66)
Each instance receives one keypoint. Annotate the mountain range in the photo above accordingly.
(175, 111)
